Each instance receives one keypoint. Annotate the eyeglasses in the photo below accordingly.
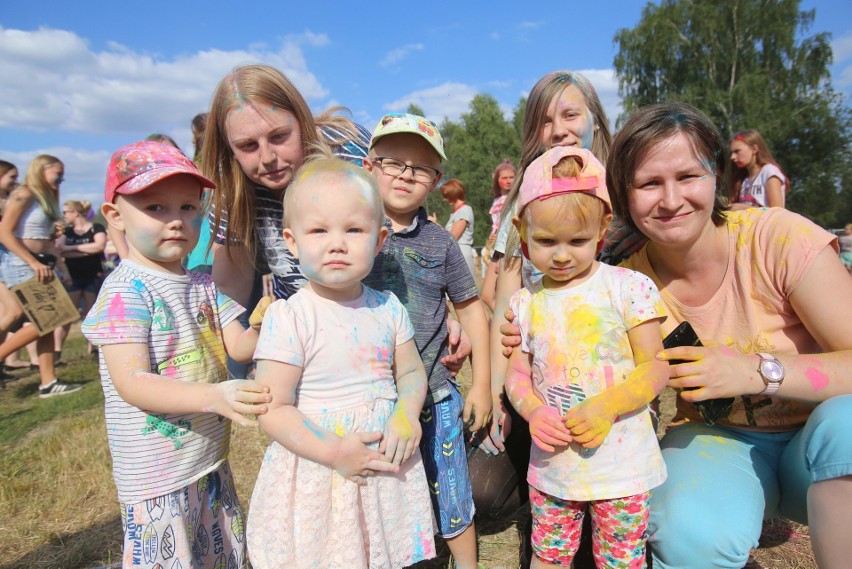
(393, 167)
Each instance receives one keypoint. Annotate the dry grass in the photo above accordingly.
(58, 505)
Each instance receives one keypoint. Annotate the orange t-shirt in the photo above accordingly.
(771, 251)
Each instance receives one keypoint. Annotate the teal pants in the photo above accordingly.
(723, 482)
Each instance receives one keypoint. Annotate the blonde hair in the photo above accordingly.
(235, 195)
(37, 184)
(324, 163)
(81, 207)
(542, 95)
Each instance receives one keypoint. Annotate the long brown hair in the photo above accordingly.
(752, 138)
(234, 197)
(535, 113)
(506, 164)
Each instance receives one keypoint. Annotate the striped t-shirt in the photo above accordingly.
(180, 319)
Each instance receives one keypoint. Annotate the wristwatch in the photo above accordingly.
(772, 372)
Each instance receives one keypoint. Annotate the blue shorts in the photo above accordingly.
(445, 461)
(15, 271)
(86, 284)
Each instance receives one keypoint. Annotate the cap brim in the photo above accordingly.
(147, 179)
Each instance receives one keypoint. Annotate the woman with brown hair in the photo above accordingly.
(460, 224)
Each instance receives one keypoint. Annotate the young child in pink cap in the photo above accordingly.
(163, 333)
(586, 370)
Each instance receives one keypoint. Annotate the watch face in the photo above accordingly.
(772, 371)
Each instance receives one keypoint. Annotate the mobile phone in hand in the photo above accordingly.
(711, 410)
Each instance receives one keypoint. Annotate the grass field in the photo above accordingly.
(58, 507)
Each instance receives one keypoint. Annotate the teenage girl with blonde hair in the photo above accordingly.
(28, 230)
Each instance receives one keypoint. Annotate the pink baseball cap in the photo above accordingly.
(539, 184)
(137, 166)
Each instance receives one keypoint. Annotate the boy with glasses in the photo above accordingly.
(422, 265)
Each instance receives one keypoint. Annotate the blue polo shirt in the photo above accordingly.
(423, 265)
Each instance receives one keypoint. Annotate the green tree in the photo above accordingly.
(475, 145)
(748, 64)
(413, 109)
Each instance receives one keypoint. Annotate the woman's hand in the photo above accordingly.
(491, 438)
(712, 373)
(43, 273)
(511, 334)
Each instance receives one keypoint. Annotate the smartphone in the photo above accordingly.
(711, 410)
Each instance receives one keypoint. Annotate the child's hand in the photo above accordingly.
(257, 314)
(401, 437)
(236, 398)
(458, 347)
(591, 420)
(477, 408)
(547, 429)
(355, 462)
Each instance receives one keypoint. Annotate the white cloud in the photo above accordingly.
(529, 25)
(448, 100)
(394, 56)
(85, 171)
(53, 80)
(606, 85)
(841, 48)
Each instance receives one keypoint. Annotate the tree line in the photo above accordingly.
(745, 63)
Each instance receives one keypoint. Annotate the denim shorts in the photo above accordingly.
(15, 271)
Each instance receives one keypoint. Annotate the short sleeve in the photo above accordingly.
(228, 308)
(279, 338)
(121, 314)
(640, 299)
(98, 228)
(461, 285)
(784, 246)
(502, 239)
(402, 322)
(465, 213)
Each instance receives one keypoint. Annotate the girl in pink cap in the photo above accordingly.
(586, 369)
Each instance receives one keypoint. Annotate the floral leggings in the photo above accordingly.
(620, 529)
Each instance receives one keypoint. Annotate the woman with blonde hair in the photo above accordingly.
(82, 245)
(28, 230)
(756, 179)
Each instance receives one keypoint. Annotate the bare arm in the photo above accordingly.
(489, 285)
(83, 249)
(301, 436)
(508, 283)
(233, 272)
(591, 420)
(119, 241)
(471, 315)
(240, 342)
(774, 192)
(17, 204)
(402, 430)
(722, 372)
(457, 228)
(130, 373)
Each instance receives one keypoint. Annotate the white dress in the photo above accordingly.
(303, 514)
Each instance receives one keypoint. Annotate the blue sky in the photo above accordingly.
(79, 79)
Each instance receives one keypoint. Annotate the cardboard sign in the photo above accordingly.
(47, 305)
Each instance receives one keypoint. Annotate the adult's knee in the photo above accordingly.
(826, 441)
(685, 534)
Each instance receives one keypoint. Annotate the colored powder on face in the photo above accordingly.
(818, 379)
